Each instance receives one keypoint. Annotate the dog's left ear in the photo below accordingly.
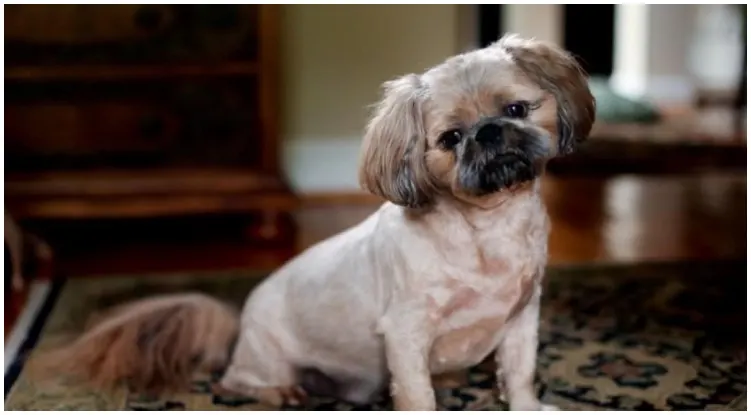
(557, 71)
(392, 158)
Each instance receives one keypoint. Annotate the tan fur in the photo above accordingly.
(442, 275)
(392, 149)
(153, 345)
(556, 72)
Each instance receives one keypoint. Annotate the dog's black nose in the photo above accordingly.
(489, 134)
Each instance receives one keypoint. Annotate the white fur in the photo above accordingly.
(449, 270)
(393, 276)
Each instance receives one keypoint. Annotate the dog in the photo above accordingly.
(445, 273)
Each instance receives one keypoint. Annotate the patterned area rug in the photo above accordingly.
(660, 336)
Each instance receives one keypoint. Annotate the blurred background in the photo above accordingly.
(144, 138)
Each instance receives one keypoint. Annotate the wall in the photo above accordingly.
(666, 53)
(334, 59)
(715, 55)
(651, 53)
(541, 21)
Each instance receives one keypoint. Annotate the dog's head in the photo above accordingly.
(476, 124)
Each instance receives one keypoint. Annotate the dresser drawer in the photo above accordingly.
(60, 34)
(115, 111)
(133, 124)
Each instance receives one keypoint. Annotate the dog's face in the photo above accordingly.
(476, 124)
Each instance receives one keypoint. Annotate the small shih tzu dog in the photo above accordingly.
(445, 273)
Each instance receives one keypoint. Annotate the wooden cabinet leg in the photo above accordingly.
(269, 226)
(272, 226)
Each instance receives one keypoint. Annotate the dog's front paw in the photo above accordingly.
(532, 405)
(276, 396)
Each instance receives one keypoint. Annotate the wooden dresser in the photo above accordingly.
(141, 111)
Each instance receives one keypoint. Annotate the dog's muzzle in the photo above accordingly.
(493, 132)
(490, 133)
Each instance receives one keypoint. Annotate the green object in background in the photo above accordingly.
(614, 108)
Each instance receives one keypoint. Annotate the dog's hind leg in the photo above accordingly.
(260, 370)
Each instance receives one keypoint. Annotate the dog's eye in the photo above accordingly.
(450, 139)
(516, 110)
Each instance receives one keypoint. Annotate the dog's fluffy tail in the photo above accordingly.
(152, 345)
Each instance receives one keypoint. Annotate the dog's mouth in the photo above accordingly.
(503, 171)
(505, 159)
(508, 162)
(512, 168)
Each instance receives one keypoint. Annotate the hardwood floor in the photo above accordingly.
(648, 219)
(624, 218)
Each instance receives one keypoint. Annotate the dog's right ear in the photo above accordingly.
(392, 158)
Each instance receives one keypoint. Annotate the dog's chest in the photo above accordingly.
(471, 321)
(489, 275)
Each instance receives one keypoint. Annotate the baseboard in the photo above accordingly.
(658, 89)
(323, 172)
(322, 165)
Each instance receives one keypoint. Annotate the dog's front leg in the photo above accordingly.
(516, 358)
(408, 337)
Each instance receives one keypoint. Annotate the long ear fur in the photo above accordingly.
(557, 72)
(392, 158)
